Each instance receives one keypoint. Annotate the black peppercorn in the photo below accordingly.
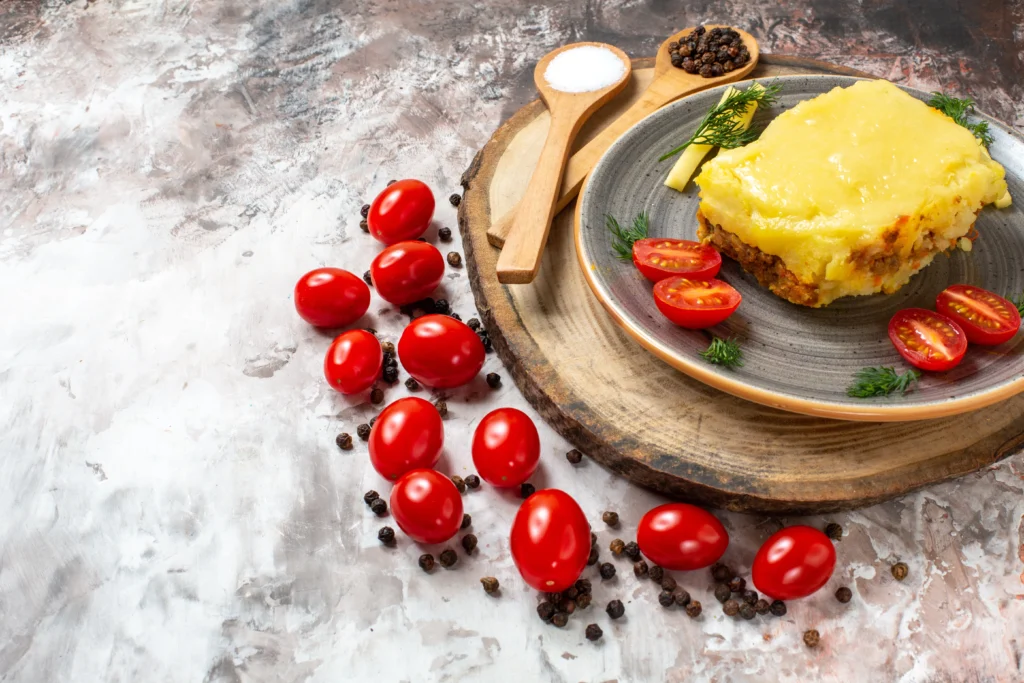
(454, 259)
(526, 490)
(442, 408)
(574, 457)
(728, 66)
(571, 592)
(777, 608)
(391, 182)
(705, 71)
(473, 324)
(473, 481)
(365, 210)
(390, 374)
(364, 226)
(390, 361)
(387, 348)
(486, 341)
(656, 574)
(445, 234)
(583, 601)
(688, 65)
(750, 597)
(592, 559)
(737, 584)
(685, 50)
(545, 611)
(761, 606)
(717, 70)
(721, 573)
(467, 522)
(370, 496)
(640, 569)
(844, 594)
(368, 278)
(490, 585)
(377, 396)
(459, 482)
(681, 596)
(379, 507)
(493, 380)
(707, 58)
(412, 385)
(455, 199)
(834, 531)
(731, 608)
(594, 632)
(593, 538)
(900, 571)
(560, 619)
(469, 543)
(668, 583)
(386, 535)
(583, 586)
(693, 609)
(363, 431)
(722, 592)
(448, 558)
(455, 316)
(676, 60)
(607, 571)
(812, 638)
(747, 611)
(632, 550)
(442, 306)
(610, 518)
(427, 562)
(372, 420)
(665, 599)
(615, 609)
(616, 546)
(699, 31)
(344, 441)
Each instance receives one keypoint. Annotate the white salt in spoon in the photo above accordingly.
(574, 81)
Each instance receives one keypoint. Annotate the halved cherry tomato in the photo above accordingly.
(331, 297)
(402, 211)
(681, 536)
(986, 318)
(407, 272)
(696, 304)
(427, 506)
(407, 435)
(440, 352)
(793, 563)
(928, 340)
(353, 361)
(506, 447)
(658, 258)
(550, 540)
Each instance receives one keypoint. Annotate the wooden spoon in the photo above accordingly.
(528, 232)
(669, 84)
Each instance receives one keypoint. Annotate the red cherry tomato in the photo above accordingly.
(986, 318)
(402, 211)
(681, 536)
(928, 340)
(353, 361)
(658, 258)
(695, 304)
(407, 272)
(427, 506)
(331, 297)
(550, 540)
(506, 447)
(407, 435)
(794, 563)
(440, 352)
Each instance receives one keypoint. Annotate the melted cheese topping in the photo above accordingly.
(833, 174)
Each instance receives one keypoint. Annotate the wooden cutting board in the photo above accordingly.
(657, 427)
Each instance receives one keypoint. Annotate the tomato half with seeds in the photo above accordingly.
(402, 211)
(696, 304)
(928, 340)
(353, 361)
(658, 258)
(986, 318)
(407, 272)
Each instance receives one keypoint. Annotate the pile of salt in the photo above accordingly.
(584, 69)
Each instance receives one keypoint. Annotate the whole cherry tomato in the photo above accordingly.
(506, 447)
(986, 318)
(402, 211)
(353, 361)
(427, 506)
(681, 536)
(794, 563)
(928, 340)
(440, 352)
(331, 297)
(407, 272)
(407, 435)
(550, 540)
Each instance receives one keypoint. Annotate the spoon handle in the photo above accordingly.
(528, 233)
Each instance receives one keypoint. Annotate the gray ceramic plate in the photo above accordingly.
(796, 358)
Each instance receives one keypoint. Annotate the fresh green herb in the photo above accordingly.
(623, 238)
(881, 382)
(723, 352)
(958, 110)
(1018, 302)
(722, 127)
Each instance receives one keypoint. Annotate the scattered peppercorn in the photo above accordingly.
(455, 199)
(469, 543)
(473, 481)
(607, 571)
(567, 605)
(731, 608)
(448, 558)
(526, 490)
(632, 550)
(656, 574)
(467, 521)
(377, 396)
(445, 234)
(493, 380)
(379, 507)
(454, 259)
(681, 596)
(750, 597)
(812, 638)
(583, 587)
(900, 571)
(490, 585)
(389, 360)
(722, 573)
(545, 611)
(364, 226)
(370, 496)
(386, 535)
(473, 323)
(737, 584)
(594, 631)
(610, 518)
(693, 609)
(486, 341)
(616, 546)
(391, 182)
(722, 592)
(412, 385)
(747, 611)
(778, 608)
(387, 347)
(668, 583)
(560, 619)
(363, 431)
(344, 441)
(574, 456)
(583, 601)
(615, 609)
(592, 560)
(571, 592)
(640, 569)
(455, 316)
(371, 331)
(459, 482)
(844, 594)
(372, 420)
(665, 599)
(390, 374)
(442, 408)
(834, 531)
(427, 562)
(761, 606)
(368, 278)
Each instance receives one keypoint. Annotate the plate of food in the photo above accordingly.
(850, 251)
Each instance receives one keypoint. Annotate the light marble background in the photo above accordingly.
(172, 504)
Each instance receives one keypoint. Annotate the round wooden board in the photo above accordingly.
(656, 426)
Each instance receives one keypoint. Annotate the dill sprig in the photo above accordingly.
(623, 238)
(721, 126)
(1019, 303)
(958, 110)
(881, 382)
(725, 352)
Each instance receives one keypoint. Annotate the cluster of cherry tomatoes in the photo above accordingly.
(937, 340)
(686, 290)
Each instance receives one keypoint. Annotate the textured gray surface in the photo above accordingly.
(172, 506)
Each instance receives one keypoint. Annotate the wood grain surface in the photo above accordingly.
(661, 429)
